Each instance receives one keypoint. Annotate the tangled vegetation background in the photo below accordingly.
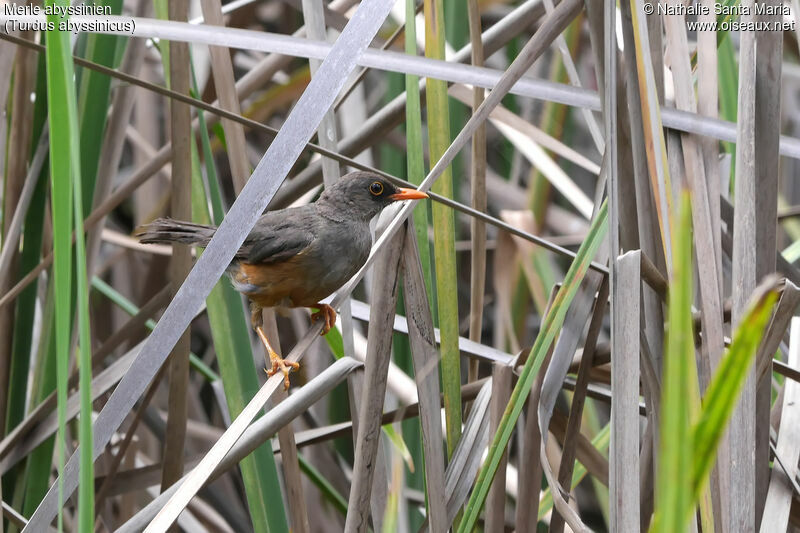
(589, 326)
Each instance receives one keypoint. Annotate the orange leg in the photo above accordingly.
(278, 362)
(327, 313)
(256, 319)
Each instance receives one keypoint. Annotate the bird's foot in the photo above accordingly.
(284, 365)
(326, 313)
(277, 362)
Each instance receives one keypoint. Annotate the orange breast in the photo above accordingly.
(281, 284)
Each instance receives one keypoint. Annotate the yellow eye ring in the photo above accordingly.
(376, 188)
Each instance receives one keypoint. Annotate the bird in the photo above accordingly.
(298, 256)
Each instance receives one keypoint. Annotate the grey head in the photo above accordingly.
(361, 196)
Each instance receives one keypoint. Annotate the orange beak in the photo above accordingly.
(407, 194)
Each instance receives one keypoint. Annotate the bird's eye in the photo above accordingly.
(376, 188)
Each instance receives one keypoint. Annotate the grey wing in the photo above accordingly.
(273, 241)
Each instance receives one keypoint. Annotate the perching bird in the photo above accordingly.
(298, 256)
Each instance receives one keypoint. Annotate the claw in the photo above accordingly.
(327, 313)
(278, 362)
(285, 366)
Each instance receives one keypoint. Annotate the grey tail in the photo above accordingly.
(167, 230)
